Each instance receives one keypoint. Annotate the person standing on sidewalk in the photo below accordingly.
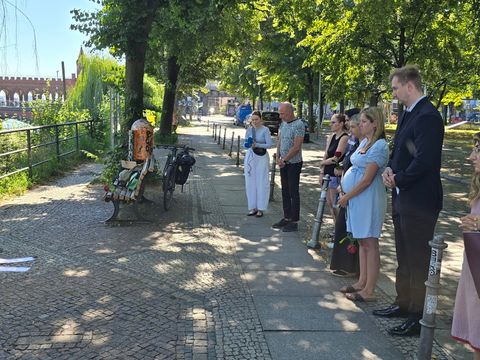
(256, 164)
(334, 153)
(343, 263)
(413, 174)
(364, 193)
(289, 160)
(466, 315)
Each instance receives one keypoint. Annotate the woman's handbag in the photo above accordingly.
(471, 241)
(258, 151)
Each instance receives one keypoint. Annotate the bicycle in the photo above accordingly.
(176, 170)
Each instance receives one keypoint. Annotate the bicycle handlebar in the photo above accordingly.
(176, 147)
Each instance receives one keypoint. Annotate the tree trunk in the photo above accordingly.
(401, 48)
(261, 97)
(310, 100)
(134, 69)
(300, 109)
(173, 69)
(375, 94)
(342, 106)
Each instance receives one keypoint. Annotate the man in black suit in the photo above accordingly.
(413, 174)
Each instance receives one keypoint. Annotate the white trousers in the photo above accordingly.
(257, 184)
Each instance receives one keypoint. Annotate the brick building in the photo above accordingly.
(17, 92)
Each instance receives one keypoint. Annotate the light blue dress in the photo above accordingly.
(366, 211)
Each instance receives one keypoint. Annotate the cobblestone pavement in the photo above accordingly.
(170, 289)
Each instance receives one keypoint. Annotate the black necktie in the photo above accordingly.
(406, 115)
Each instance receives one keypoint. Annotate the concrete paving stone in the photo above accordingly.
(331, 312)
(275, 253)
(321, 345)
(289, 283)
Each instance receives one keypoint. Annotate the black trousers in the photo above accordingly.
(412, 234)
(341, 258)
(290, 180)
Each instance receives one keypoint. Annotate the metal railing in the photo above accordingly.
(71, 132)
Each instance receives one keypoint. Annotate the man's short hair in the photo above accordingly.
(352, 111)
(406, 74)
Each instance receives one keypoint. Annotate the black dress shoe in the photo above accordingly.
(408, 328)
(391, 311)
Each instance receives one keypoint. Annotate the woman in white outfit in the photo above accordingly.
(257, 140)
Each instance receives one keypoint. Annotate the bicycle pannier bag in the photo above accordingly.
(185, 163)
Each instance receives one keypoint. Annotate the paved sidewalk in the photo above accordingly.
(202, 281)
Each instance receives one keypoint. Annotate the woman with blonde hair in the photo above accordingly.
(364, 193)
(466, 315)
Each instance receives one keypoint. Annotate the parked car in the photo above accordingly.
(474, 117)
(241, 114)
(271, 119)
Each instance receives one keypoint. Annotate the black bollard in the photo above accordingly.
(272, 176)
(313, 243)
(431, 299)
(224, 137)
(238, 151)
(219, 134)
(231, 144)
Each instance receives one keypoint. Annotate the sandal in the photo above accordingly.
(356, 297)
(349, 289)
(259, 214)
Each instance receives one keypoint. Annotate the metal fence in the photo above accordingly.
(28, 142)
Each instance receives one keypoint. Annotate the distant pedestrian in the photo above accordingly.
(289, 160)
(256, 163)
(344, 262)
(413, 174)
(364, 195)
(334, 153)
(466, 315)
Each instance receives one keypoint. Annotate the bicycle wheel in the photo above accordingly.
(168, 186)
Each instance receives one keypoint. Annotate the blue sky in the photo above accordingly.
(55, 41)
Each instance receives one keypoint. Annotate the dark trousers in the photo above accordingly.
(290, 179)
(341, 258)
(412, 234)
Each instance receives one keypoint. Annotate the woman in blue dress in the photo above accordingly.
(365, 197)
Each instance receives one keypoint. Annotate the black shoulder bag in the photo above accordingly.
(257, 150)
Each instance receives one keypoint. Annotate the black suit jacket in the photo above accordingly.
(416, 161)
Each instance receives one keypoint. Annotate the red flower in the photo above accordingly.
(352, 248)
(338, 154)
